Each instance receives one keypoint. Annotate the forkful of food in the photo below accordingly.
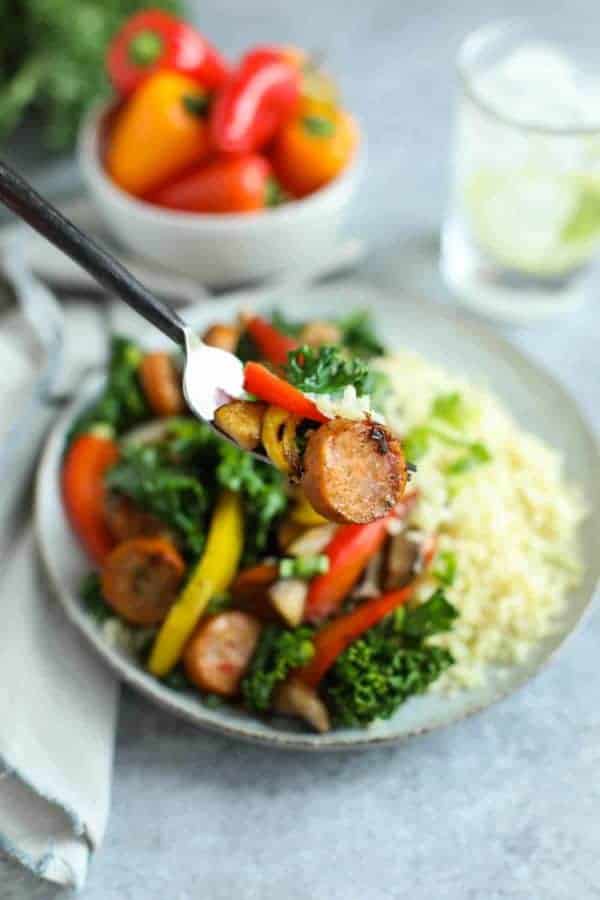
(348, 463)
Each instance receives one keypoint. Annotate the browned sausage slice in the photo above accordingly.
(162, 384)
(318, 333)
(218, 654)
(226, 337)
(353, 471)
(125, 519)
(141, 578)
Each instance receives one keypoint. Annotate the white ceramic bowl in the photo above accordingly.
(218, 250)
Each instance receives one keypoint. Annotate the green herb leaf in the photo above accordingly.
(279, 650)
(325, 370)
(145, 48)
(304, 567)
(416, 443)
(432, 617)
(122, 403)
(445, 567)
(449, 408)
(477, 455)
(359, 336)
(176, 497)
(93, 600)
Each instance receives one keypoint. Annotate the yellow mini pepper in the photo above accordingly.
(160, 131)
(213, 574)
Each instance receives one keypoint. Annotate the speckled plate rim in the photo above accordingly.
(420, 714)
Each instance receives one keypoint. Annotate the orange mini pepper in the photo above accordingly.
(159, 132)
(313, 148)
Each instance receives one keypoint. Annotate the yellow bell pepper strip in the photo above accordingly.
(213, 574)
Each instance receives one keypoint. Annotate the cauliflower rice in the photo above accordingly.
(511, 523)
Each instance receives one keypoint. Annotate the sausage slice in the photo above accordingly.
(353, 471)
(141, 578)
(126, 520)
(218, 654)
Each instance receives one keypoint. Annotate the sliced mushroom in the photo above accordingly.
(294, 698)
(401, 562)
(242, 421)
(312, 540)
(288, 597)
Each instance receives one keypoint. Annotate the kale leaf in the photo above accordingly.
(376, 674)
(325, 370)
(122, 403)
(389, 663)
(279, 651)
(432, 617)
(173, 495)
(263, 488)
(93, 600)
(359, 336)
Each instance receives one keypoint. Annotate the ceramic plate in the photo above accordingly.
(536, 400)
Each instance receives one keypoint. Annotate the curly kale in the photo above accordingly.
(359, 336)
(325, 370)
(173, 495)
(93, 600)
(265, 498)
(279, 651)
(390, 663)
(122, 403)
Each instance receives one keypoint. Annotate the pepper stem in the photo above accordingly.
(145, 48)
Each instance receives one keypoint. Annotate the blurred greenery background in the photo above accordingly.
(51, 61)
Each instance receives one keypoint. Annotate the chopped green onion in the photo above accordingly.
(304, 567)
(445, 567)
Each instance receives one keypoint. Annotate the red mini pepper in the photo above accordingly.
(153, 39)
(349, 551)
(337, 635)
(86, 463)
(259, 96)
(273, 344)
(227, 185)
(269, 387)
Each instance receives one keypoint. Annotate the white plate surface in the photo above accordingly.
(539, 404)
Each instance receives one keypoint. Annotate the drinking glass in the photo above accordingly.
(523, 224)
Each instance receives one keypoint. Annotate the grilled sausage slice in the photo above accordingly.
(353, 471)
(226, 337)
(126, 520)
(218, 654)
(162, 384)
(141, 578)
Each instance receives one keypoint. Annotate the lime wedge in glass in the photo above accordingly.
(538, 223)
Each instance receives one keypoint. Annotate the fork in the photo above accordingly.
(211, 376)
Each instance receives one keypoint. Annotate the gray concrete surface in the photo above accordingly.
(505, 805)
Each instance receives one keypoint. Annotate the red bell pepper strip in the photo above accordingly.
(84, 467)
(259, 97)
(269, 387)
(272, 343)
(153, 39)
(349, 551)
(337, 635)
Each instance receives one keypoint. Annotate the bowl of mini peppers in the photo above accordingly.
(228, 172)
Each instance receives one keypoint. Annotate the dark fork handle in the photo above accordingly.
(19, 195)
